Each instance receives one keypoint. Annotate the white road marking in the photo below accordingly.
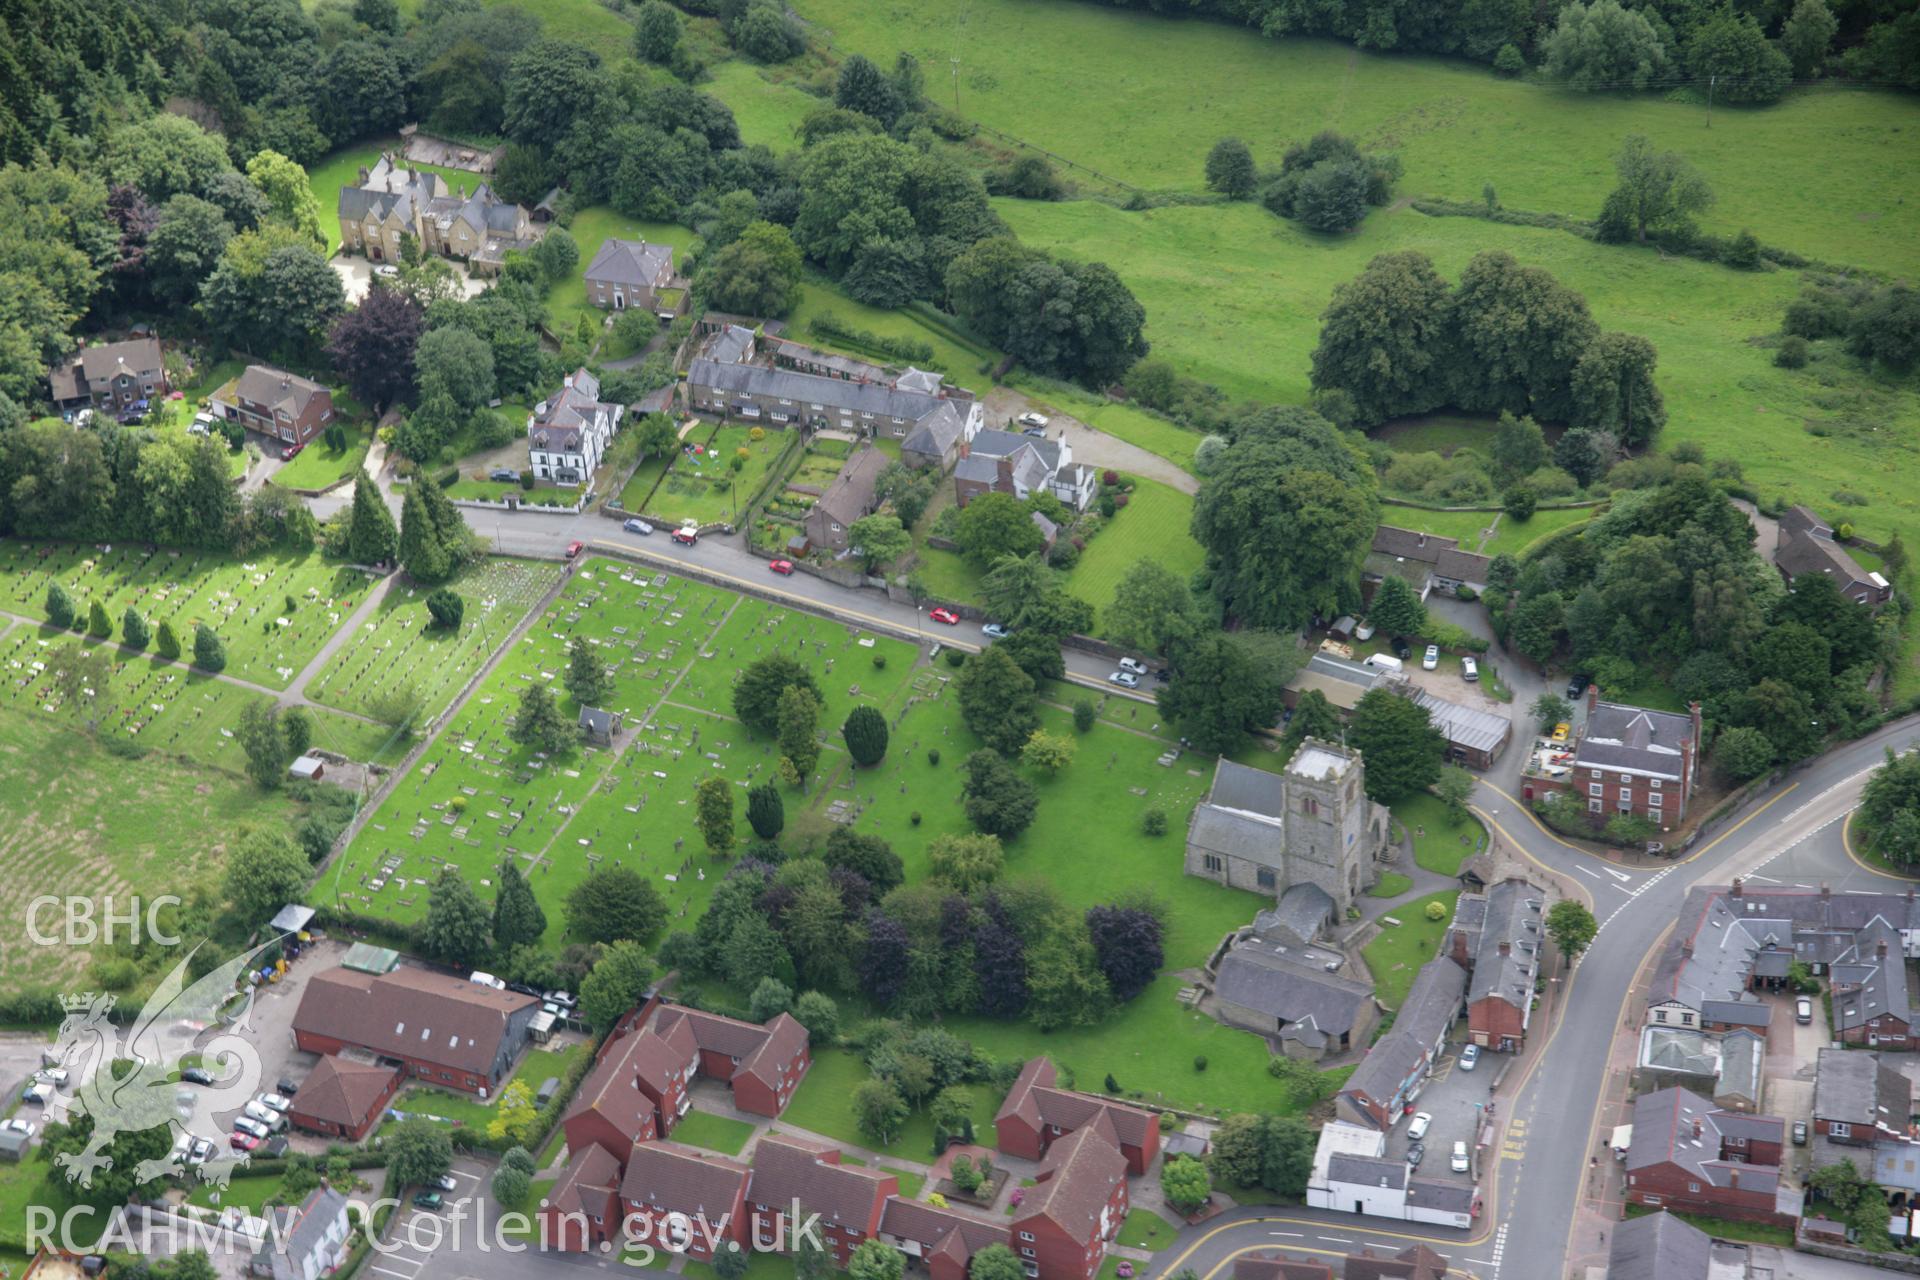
(1585, 872)
(1335, 1239)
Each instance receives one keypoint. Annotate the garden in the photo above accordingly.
(398, 651)
(321, 464)
(712, 480)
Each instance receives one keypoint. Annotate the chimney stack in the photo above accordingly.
(1739, 887)
(1880, 949)
(1826, 891)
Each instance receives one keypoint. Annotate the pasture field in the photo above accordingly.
(767, 112)
(396, 646)
(1238, 295)
(272, 611)
(83, 820)
(1141, 98)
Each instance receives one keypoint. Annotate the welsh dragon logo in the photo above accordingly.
(147, 1056)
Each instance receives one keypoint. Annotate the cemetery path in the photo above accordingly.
(341, 637)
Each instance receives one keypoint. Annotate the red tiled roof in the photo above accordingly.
(1034, 1100)
(940, 1232)
(590, 1177)
(411, 1013)
(1077, 1180)
(1277, 1266)
(788, 1169)
(762, 1050)
(342, 1091)
(1416, 1263)
(610, 1087)
(668, 1176)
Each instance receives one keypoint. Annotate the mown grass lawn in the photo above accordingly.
(1396, 955)
(249, 1192)
(705, 488)
(1391, 884)
(567, 299)
(342, 169)
(713, 1133)
(640, 485)
(1152, 526)
(320, 464)
(961, 364)
(1145, 1229)
(1831, 186)
(824, 1104)
(1437, 835)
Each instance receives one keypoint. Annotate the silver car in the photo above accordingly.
(1125, 679)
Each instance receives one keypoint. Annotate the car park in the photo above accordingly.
(1459, 1162)
(1031, 419)
(250, 1126)
(504, 475)
(640, 527)
(994, 631)
(573, 549)
(447, 1182)
(782, 567)
(1470, 1057)
(1422, 1121)
(1431, 658)
(429, 1200)
(945, 616)
(1125, 679)
(1469, 670)
(686, 537)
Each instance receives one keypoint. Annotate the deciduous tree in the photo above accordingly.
(456, 928)
(997, 700)
(617, 983)
(998, 800)
(538, 724)
(1230, 169)
(756, 695)
(614, 904)
(967, 863)
(714, 812)
(1396, 738)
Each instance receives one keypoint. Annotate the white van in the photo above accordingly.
(487, 980)
(1384, 662)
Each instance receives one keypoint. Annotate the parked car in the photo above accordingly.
(1031, 419)
(946, 616)
(429, 1200)
(994, 631)
(16, 1125)
(447, 1182)
(783, 567)
(1415, 1154)
(1422, 1121)
(1163, 674)
(1470, 1057)
(251, 1127)
(261, 1114)
(560, 998)
(1799, 1133)
(240, 1140)
(1459, 1162)
(1134, 665)
(387, 271)
(1430, 659)
(1364, 631)
(573, 549)
(1125, 679)
(285, 1086)
(686, 537)
(640, 527)
(1038, 433)
(55, 1076)
(200, 1150)
(274, 1102)
(1803, 1011)
(1562, 731)
(1401, 649)
(504, 475)
(1469, 670)
(1578, 685)
(197, 1075)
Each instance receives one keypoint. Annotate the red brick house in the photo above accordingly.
(763, 1065)
(790, 1172)
(1859, 1100)
(1063, 1226)
(291, 409)
(945, 1240)
(1036, 1114)
(621, 1100)
(443, 1029)
(1629, 760)
(1496, 936)
(1688, 1155)
(582, 1211)
(680, 1200)
(342, 1098)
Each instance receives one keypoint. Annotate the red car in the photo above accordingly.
(782, 566)
(242, 1141)
(573, 549)
(947, 616)
(685, 537)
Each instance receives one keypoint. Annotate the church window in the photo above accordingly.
(1264, 877)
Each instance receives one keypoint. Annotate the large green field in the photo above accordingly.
(1826, 173)
(1234, 296)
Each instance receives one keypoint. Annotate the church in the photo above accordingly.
(1308, 835)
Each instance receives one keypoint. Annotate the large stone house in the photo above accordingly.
(1002, 462)
(392, 201)
(114, 378)
(1310, 824)
(273, 402)
(629, 273)
(568, 432)
(1294, 995)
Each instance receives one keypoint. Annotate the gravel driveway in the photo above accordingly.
(1090, 445)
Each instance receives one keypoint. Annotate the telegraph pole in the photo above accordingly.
(1710, 84)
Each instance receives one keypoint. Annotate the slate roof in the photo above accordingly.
(1739, 1013)
(135, 357)
(277, 389)
(1342, 683)
(1679, 1127)
(937, 433)
(1512, 917)
(731, 344)
(1301, 913)
(1239, 786)
(1077, 1180)
(1804, 553)
(1006, 444)
(1743, 1057)
(341, 1091)
(631, 262)
(1431, 1005)
(850, 496)
(411, 1013)
(558, 421)
(810, 389)
(1237, 835)
(1623, 739)
(1659, 1246)
(787, 1169)
(978, 468)
(920, 380)
(669, 1178)
(1462, 566)
(1858, 1089)
(1411, 544)
(1367, 1171)
(1291, 987)
(303, 1230)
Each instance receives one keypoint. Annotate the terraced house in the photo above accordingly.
(392, 201)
